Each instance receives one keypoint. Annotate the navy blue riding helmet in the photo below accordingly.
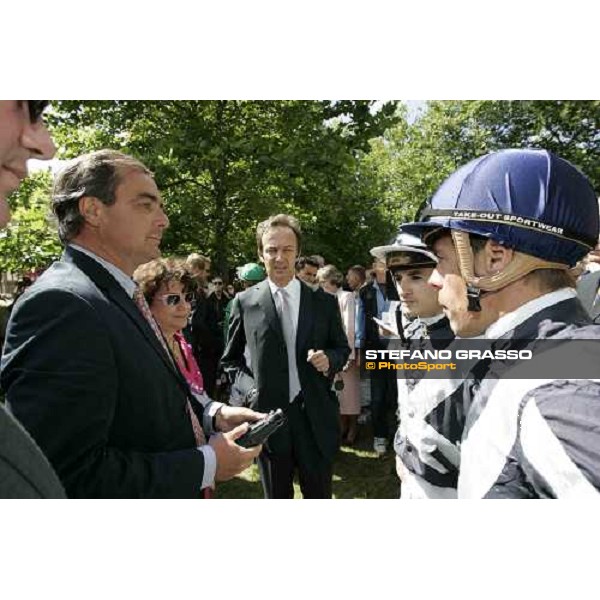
(529, 200)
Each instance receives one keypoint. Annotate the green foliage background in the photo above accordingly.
(30, 240)
(351, 171)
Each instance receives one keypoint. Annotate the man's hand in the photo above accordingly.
(231, 458)
(229, 417)
(386, 332)
(319, 360)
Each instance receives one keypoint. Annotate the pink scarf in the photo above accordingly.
(190, 369)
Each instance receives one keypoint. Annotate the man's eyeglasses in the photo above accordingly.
(175, 299)
(217, 283)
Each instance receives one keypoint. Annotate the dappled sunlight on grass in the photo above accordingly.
(357, 473)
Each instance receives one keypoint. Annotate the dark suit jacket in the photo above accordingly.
(206, 339)
(368, 296)
(587, 290)
(24, 470)
(203, 331)
(86, 376)
(254, 321)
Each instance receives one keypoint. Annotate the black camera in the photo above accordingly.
(258, 432)
(338, 385)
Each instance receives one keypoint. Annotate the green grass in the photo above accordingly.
(357, 473)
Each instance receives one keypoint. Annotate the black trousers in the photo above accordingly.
(384, 399)
(277, 469)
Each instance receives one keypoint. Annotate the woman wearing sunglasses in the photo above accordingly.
(169, 290)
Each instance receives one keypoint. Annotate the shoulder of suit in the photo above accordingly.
(321, 296)
(24, 470)
(63, 283)
(251, 291)
(367, 289)
(61, 275)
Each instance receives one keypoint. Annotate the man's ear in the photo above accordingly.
(496, 256)
(90, 209)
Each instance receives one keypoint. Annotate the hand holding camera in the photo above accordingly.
(258, 432)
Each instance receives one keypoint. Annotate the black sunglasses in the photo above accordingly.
(36, 108)
(175, 299)
(217, 283)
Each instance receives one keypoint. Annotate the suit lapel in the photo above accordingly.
(305, 319)
(111, 288)
(264, 299)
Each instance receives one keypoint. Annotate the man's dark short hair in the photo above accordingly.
(280, 220)
(95, 174)
(302, 261)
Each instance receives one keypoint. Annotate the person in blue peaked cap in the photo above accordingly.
(507, 228)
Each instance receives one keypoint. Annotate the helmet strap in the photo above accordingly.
(520, 265)
(473, 299)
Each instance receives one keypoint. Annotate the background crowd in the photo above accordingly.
(135, 373)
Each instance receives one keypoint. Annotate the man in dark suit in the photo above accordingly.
(374, 299)
(203, 331)
(296, 344)
(24, 470)
(87, 373)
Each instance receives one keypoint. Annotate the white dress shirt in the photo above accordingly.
(293, 293)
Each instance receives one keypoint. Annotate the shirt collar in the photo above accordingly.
(122, 278)
(292, 288)
(431, 320)
(513, 319)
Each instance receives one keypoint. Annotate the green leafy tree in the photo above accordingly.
(409, 162)
(224, 165)
(30, 241)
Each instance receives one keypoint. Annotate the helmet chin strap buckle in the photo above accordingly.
(473, 299)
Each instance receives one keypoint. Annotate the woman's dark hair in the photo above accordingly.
(152, 275)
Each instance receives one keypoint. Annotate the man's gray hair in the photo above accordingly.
(95, 174)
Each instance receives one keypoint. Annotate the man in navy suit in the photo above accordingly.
(297, 344)
(86, 372)
(24, 470)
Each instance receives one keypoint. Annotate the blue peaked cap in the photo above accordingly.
(529, 200)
